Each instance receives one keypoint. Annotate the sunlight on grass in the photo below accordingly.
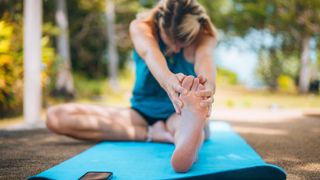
(10, 121)
(101, 92)
(236, 96)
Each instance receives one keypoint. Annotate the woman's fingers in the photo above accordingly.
(171, 96)
(204, 93)
(177, 103)
(180, 77)
(207, 102)
(173, 88)
(209, 110)
(195, 84)
(178, 88)
(202, 79)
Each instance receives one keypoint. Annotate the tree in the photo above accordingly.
(270, 67)
(294, 22)
(298, 22)
(64, 83)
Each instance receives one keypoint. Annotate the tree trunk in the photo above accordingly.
(304, 78)
(64, 83)
(112, 45)
(32, 60)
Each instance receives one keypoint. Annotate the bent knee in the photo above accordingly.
(54, 118)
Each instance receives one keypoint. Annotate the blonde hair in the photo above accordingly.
(181, 20)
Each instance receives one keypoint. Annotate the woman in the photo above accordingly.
(174, 88)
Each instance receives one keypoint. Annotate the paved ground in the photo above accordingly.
(26, 153)
(285, 138)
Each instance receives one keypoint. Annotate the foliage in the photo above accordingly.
(11, 71)
(87, 31)
(270, 68)
(101, 91)
(11, 58)
(88, 44)
(287, 22)
(226, 77)
(89, 88)
(286, 83)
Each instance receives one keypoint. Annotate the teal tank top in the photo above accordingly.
(148, 96)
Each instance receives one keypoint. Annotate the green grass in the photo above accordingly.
(100, 91)
(236, 96)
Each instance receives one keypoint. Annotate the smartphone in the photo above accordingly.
(96, 176)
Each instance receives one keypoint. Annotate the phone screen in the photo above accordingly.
(96, 176)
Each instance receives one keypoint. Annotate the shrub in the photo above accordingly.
(11, 67)
(286, 83)
(11, 71)
(225, 76)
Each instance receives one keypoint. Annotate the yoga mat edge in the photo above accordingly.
(225, 156)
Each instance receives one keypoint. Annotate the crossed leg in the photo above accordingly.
(188, 128)
(97, 123)
(91, 122)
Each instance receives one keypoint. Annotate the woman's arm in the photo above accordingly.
(205, 67)
(147, 47)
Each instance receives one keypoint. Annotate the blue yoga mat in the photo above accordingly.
(224, 156)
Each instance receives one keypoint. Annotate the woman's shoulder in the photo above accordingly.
(141, 26)
(143, 37)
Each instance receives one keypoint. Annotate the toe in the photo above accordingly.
(187, 82)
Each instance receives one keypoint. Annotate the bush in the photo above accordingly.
(286, 83)
(225, 76)
(11, 67)
(89, 88)
(11, 71)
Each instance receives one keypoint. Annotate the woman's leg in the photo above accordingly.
(91, 122)
(187, 128)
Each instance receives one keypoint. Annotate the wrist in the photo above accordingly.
(165, 75)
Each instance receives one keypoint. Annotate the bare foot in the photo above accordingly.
(189, 135)
(206, 127)
(160, 133)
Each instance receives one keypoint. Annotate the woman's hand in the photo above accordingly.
(206, 94)
(172, 85)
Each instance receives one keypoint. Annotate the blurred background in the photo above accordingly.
(57, 51)
(267, 56)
